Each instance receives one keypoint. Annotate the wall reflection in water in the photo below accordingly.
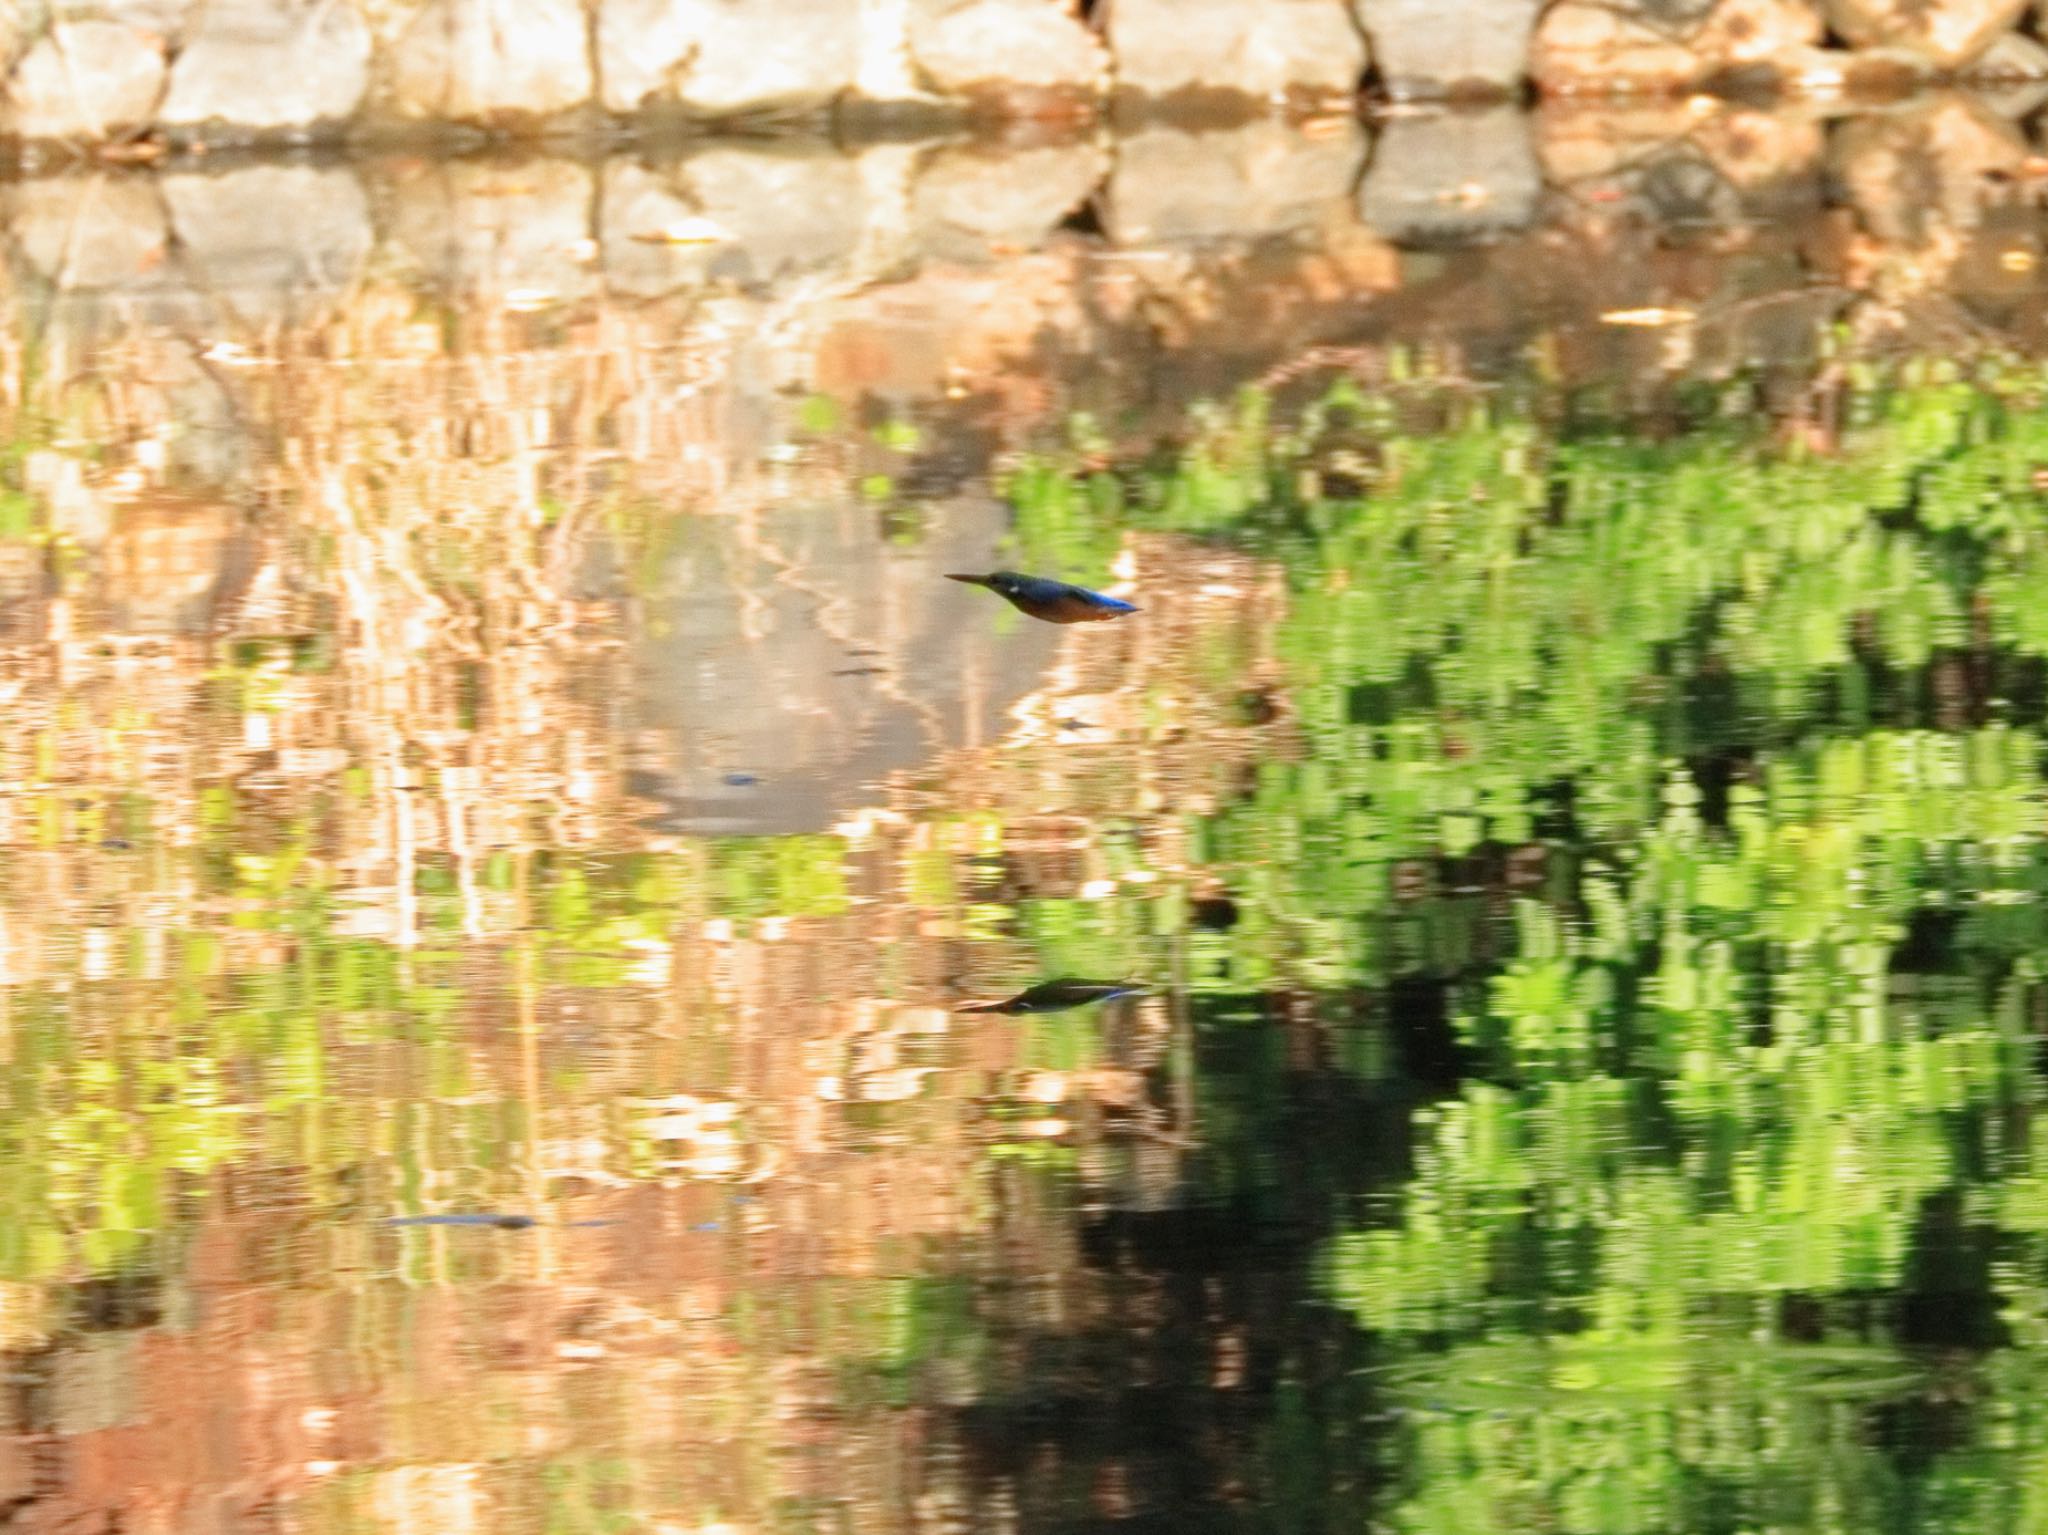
(489, 737)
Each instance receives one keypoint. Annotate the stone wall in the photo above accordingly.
(129, 75)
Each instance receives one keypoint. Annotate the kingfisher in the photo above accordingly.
(1057, 602)
(1057, 997)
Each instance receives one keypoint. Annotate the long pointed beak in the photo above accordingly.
(970, 580)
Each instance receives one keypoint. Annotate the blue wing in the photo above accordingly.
(1113, 604)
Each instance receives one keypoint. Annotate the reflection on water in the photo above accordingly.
(510, 840)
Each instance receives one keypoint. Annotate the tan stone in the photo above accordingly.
(2011, 57)
(1176, 188)
(728, 58)
(491, 61)
(1948, 34)
(1665, 162)
(1588, 47)
(1586, 148)
(1755, 149)
(1267, 51)
(984, 47)
(86, 80)
(1421, 51)
(96, 231)
(166, 18)
(1921, 172)
(498, 233)
(644, 49)
(635, 209)
(1590, 147)
(273, 243)
(270, 64)
(970, 204)
(789, 210)
(1452, 177)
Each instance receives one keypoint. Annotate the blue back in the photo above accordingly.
(1041, 591)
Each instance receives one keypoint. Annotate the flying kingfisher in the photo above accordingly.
(1057, 602)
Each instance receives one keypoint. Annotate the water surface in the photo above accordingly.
(502, 814)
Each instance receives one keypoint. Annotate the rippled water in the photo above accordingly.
(501, 815)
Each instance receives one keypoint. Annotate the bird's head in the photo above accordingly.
(1005, 582)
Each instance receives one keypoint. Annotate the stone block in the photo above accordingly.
(644, 50)
(1172, 187)
(494, 232)
(2012, 58)
(269, 65)
(1267, 51)
(970, 204)
(1917, 176)
(166, 18)
(86, 80)
(1598, 47)
(998, 48)
(1664, 163)
(789, 210)
(88, 231)
(728, 58)
(1452, 178)
(1429, 48)
(636, 208)
(275, 244)
(1948, 34)
(490, 62)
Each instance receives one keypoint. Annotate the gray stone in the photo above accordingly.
(728, 58)
(86, 80)
(1452, 178)
(94, 231)
(1270, 49)
(265, 65)
(969, 204)
(1426, 47)
(1265, 178)
(990, 47)
(275, 244)
(490, 62)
